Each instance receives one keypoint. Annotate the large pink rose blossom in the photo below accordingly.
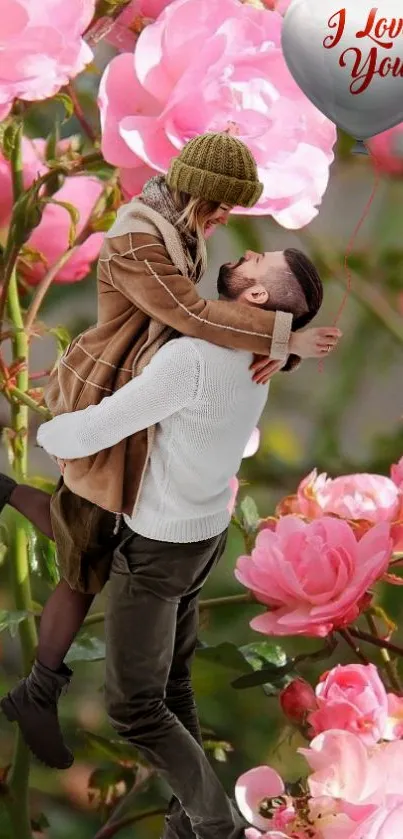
(353, 698)
(343, 767)
(385, 823)
(126, 29)
(51, 237)
(332, 818)
(230, 53)
(313, 576)
(362, 499)
(41, 47)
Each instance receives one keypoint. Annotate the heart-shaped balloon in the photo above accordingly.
(348, 60)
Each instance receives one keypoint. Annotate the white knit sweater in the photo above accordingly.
(206, 406)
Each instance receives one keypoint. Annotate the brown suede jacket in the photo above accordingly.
(144, 297)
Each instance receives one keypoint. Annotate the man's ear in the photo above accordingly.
(256, 294)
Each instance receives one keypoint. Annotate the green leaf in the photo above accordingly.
(74, 216)
(11, 620)
(104, 222)
(269, 676)
(42, 556)
(10, 138)
(268, 660)
(67, 103)
(86, 648)
(106, 782)
(115, 750)
(3, 552)
(226, 655)
(219, 749)
(250, 514)
(63, 339)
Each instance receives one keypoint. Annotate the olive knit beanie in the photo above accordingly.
(217, 167)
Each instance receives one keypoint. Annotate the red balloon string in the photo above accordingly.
(350, 245)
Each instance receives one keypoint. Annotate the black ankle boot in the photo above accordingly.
(33, 705)
(7, 486)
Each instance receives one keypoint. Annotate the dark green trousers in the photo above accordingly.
(151, 633)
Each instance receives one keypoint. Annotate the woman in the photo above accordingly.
(150, 261)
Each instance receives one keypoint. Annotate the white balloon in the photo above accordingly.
(348, 60)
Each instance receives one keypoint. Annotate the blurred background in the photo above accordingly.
(346, 417)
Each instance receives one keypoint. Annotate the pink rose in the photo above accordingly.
(330, 817)
(252, 788)
(51, 238)
(126, 29)
(314, 577)
(41, 47)
(342, 768)
(394, 723)
(387, 149)
(297, 700)
(353, 698)
(362, 499)
(385, 823)
(231, 54)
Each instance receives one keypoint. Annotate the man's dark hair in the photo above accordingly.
(310, 282)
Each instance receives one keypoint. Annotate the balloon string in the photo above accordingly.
(354, 235)
(351, 242)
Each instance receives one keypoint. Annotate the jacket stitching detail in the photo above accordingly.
(102, 361)
(86, 381)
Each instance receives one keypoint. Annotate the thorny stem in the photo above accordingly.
(346, 635)
(393, 677)
(79, 113)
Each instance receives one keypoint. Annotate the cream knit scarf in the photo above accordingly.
(157, 195)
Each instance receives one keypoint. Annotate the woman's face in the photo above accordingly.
(220, 216)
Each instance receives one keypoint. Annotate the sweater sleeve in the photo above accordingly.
(139, 267)
(167, 384)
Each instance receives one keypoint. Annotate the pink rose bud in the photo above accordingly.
(297, 700)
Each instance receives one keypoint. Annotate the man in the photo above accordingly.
(205, 405)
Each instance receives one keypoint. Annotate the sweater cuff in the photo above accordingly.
(281, 336)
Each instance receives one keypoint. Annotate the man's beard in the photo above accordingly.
(224, 283)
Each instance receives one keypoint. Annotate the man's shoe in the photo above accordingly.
(7, 486)
(33, 705)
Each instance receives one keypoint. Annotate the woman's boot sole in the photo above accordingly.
(10, 712)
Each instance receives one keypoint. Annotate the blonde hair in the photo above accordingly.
(195, 212)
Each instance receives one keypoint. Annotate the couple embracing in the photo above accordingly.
(153, 409)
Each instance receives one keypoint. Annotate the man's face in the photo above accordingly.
(263, 279)
(258, 266)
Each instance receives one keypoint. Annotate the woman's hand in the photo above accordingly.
(263, 369)
(316, 342)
